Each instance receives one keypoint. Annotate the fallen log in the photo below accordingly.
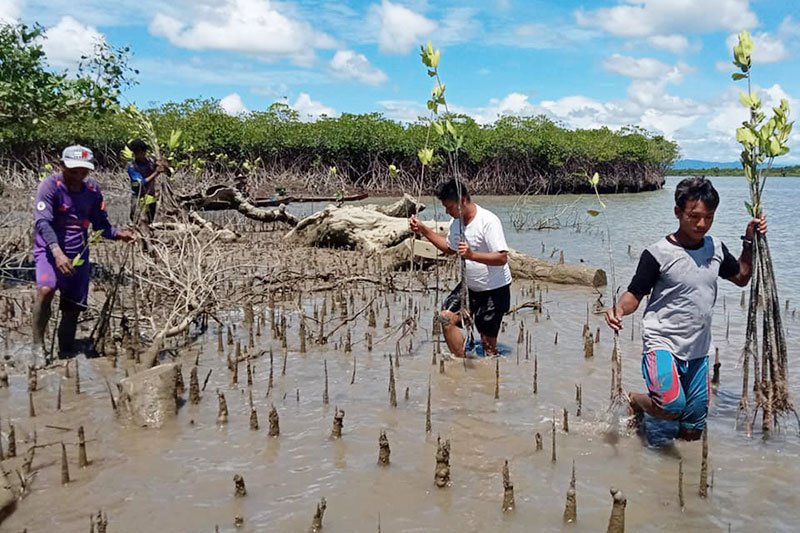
(354, 228)
(524, 266)
(222, 197)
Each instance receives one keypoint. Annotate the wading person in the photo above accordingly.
(66, 204)
(143, 171)
(482, 243)
(679, 273)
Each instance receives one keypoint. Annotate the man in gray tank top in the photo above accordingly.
(679, 273)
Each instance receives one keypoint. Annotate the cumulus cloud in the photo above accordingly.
(346, 64)
(675, 43)
(646, 18)
(646, 68)
(10, 11)
(399, 28)
(233, 105)
(767, 48)
(309, 109)
(67, 41)
(249, 26)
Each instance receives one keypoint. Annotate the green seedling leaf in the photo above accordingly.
(749, 208)
(332, 170)
(744, 98)
(595, 179)
(593, 212)
(77, 261)
(745, 136)
(738, 76)
(392, 171)
(425, 156)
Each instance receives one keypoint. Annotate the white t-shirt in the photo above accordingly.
(484, 233)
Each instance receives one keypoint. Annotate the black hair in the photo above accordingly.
(138, 145)
(696, 188)
(449, 190)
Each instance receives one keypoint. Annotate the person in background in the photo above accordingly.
(482, 243)
(66, 204)
(679, 272)
(143, 171)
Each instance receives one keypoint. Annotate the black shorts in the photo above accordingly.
(486, 307)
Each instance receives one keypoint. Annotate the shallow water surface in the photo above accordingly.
(179, 478)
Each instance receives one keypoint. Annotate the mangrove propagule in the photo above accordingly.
(508, 489)
(83, 461)
(338, 423)
(442, 473)
(274, 422)
(64, 465)
(571, 508)
(428, 408)
(222, 413)
(616, 522)
(384, 451)
(239, 490)
(194, 387)
(316, 522)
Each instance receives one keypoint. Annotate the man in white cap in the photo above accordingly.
(66, 204)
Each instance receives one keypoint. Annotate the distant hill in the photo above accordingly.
(686, 164)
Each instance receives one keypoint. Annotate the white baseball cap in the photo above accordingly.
(77, 156)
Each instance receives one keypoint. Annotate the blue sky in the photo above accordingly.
(661, 64)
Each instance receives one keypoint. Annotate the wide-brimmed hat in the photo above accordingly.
(77, 156)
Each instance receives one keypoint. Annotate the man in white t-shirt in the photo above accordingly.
(483, 246)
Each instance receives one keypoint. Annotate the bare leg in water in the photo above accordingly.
(452, 333)
(489, 345)
(642, 403)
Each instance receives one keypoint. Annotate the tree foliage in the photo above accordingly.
(511, 153)
(33, 96)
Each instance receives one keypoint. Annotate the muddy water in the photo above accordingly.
(180, 478)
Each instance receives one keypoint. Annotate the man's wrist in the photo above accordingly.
(54, 248)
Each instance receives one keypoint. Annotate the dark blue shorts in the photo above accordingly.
(678, 387)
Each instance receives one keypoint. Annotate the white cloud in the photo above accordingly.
(459, 25)
(645, 18)
(646, 68)
(400, 29)
(223, 72)
(233, 105)
(675, 43)
(513, 104)
(67, 41)
(249, 26)
(10, 11)
(767, 48)
(542, 36)
(403, 110)
(347, 64)
(309, 109)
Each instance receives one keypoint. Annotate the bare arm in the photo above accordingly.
(487, 258)
(627, 304)
(439, 241)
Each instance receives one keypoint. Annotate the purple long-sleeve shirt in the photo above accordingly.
(63, 216)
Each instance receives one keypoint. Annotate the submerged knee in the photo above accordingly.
(690, 434)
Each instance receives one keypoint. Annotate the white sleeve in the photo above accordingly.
(494, 236)
(452, 236)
